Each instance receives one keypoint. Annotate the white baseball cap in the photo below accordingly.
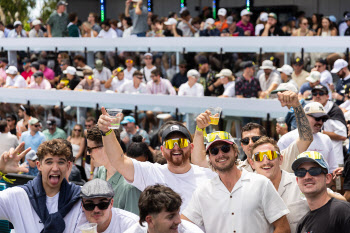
(287, 69)
(224, 73)
(315, 109)
(267, 65)
(338, 65)
(148, 54)
(285, 87)
(193, 73)
(263, 16)
(12, 70)
(222, 11)
(170, 21)
(36, 22)
(245, 12)
(17, 23)
(209, 21)
(314, 76)
(70, 70)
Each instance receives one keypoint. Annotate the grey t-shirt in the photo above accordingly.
(139, 22)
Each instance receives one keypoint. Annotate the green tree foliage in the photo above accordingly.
(16, 9)
(49, 6)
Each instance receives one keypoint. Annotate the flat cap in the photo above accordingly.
(96, 188)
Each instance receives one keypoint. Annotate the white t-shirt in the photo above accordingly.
(183, 227)
(128, 88)
(104, 75)
(229, 89)
(295, 200)
(16, 208)
(111, 33)
(147, 174)
(147, 73)
(17, 81)
(128, 74)
(121, 221)
(186, 30)
(116, 84)
(321, 143)
(252, 205)
(195, 90)
(339, 128)
(326, 79)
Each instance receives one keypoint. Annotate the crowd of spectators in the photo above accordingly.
(136, 20)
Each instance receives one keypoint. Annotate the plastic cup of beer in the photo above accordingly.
(215, 115)
(88, 228)
(113, 112)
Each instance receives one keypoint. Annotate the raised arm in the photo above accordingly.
(198, 154)
(305, 138)
(127, 7)
(115, 154)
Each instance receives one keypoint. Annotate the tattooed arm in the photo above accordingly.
(290, 99)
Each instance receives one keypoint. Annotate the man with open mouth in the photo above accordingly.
(179, 174)
(48, 203)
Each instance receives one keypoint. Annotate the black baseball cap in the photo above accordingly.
(202, 60)
(322, 61)
(320, 88)
(176, 128)
(298, 61)
(35, 64)
(248, 64)
(38, 74)
(4, 60)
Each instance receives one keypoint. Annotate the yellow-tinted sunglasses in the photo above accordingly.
(218, 134)
(270, 155)
(181, 142)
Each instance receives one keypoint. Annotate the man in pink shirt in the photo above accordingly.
(49, 74)
(3, 75)
(159, 85)
(40, 82)
(245, 24)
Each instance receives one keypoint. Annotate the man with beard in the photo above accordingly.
(179, 174)
(316, 116)
(335, 126)
(327, 214)
(236, 200)
(252, 132)
(341, 69)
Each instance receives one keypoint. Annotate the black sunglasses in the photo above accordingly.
(215, 150)
(79, 130)
(320, 119)
(318, 93)
(36, 126)
(101, 205)
(245, 141)
(314, 171)
(89, 149)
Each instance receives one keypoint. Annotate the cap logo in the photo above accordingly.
(174, 128)
(307, 109)
(321, 108)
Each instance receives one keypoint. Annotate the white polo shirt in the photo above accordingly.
(116, 84)
(195, 90)
(147, 174)
(252, 206)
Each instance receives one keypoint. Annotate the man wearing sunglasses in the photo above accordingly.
(252, 133)
(327, 214)
(97, 202)
(335, 126)
(316, 116)
(33, 137)
(223, 203)
(179, 174)
(135, 86)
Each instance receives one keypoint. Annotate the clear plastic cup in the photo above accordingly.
(113, 112)
(88, 228)
(215, 115)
